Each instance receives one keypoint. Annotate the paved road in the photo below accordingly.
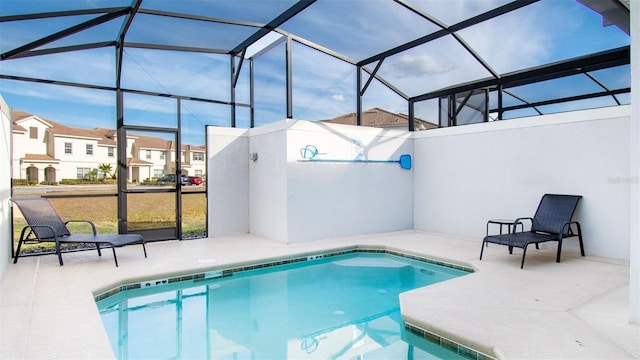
(44, 189)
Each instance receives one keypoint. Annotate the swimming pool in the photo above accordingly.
(341, 305)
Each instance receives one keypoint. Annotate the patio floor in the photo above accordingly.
(575, 309)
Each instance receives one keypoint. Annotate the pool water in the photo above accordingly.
(343, 306)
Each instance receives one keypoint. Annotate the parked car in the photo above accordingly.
(195, 180)
(184, 179)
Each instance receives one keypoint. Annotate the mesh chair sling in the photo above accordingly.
(551, 222)
(45, 225)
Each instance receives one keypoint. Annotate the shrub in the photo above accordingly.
(23, 182)
(82, 181)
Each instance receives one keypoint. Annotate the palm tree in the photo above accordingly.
(106, 169)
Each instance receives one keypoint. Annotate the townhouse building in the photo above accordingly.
(44, 150)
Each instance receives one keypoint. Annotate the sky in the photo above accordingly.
(323, 86)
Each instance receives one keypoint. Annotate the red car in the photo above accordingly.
(195, 180)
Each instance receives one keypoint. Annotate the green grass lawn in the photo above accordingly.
(145, 211)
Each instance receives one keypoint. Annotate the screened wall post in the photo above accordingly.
(451, 110)
(358, 95)
(232, 89)
(179, 171)
(411, 115)
(289, 78)
(252, 121)
(486, 106)
(500, 111)
(121, 148)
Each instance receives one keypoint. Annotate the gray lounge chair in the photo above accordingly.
(45, 225)
(551, 222)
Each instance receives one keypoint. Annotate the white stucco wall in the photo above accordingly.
(268, 181)
(5, 185)
(292, 201)
(326, 200)
(227, 181)
(470, 174)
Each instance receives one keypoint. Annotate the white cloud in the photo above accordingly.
(454, 11)
(198, 75)
(359, 29)
(338, 97)
(46, 92)
(87, 66)
(513, 41)
(412, 65)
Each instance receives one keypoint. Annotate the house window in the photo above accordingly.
(198, 156)
(148, 154)
(89, 149)
(162, 155)
(33, 132)
(67, 148)
(110, 152)
(81, 173)
(198, 173)
(157, 173)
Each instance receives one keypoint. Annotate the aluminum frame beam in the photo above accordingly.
(579, 65)
(64, 33)
(273, 24)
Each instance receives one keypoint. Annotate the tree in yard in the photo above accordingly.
(106, 170)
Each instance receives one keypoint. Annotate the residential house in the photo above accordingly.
(44, 150)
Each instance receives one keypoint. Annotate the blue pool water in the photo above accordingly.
(338, 307)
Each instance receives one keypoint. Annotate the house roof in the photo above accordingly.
(377, 117)
(18, 115)
(54, 128)
(152, 142)
(17, 128)
(188, 147)
(63, 130)
(39, 158)
(138, 162)
(107, 136)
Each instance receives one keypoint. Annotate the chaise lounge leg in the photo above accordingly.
(59, 252)
(559, 250)
(580, 238)
(481, 249)
(524, 253)
(115, 258)
(15, 257)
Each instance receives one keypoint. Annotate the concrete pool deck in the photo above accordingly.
(574, 309)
